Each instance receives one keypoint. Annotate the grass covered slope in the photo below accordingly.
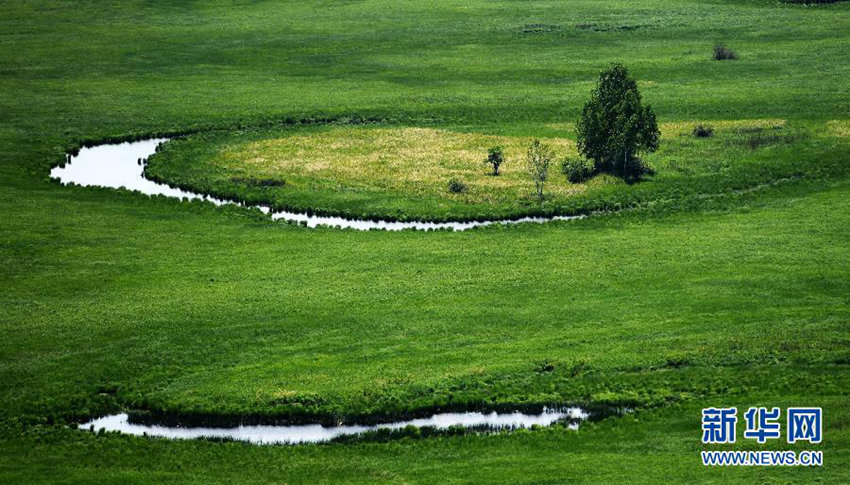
(324, 325)
(96, 68)
(736, 307)
(399, 172)
(704, 298)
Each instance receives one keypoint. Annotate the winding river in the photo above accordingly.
(122, 166)
(315, 433)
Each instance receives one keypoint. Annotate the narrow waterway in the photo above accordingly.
(122, 166)
(315, 433)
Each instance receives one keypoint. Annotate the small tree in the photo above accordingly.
(495, 157)
(614, 127)
(539, 158)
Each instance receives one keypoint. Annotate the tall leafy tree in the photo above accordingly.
(614, 127)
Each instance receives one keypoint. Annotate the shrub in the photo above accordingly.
(722, 53)
(495, 157)
(577, 170)
(456, 186)
(546, 366)
(703, 131)
(637, 168)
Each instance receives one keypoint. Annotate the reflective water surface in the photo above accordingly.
(315, 433)
(118, 165)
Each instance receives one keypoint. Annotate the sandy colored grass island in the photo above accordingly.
(418, 161)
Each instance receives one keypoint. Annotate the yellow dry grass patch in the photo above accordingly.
(673, 129)
(420, 161)
(838, 127)
(417, 160)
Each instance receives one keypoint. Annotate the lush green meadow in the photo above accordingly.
(725, 283)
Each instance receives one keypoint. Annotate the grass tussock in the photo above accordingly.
(457, 187)
(722, 53)
(703, 131)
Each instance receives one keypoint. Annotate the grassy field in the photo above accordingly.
(404, 172)
(725, 285)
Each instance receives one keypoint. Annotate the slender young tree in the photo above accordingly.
(539, 158)
(614, 127)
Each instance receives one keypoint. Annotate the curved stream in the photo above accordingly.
(121, 165)
(315, 433)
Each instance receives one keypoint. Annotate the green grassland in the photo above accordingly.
(725, 284)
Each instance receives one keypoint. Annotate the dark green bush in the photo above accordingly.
(722, 53)
(545, 366)
(457, 187)
(577, 170)
(703, 131)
